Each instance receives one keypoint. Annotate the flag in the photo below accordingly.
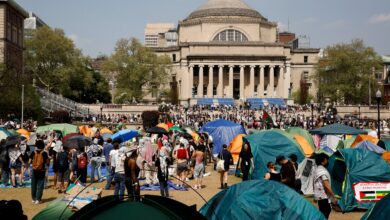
(267, 118)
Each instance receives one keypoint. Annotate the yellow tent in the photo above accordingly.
(235, 147)
(304, 144)
(86, 130)
(363, 137)
(105, 130)
(24, 133)
(163, 125)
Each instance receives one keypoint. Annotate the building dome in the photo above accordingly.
(223, 8)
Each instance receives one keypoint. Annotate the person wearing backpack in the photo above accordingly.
(82, 164)
(94, 152)
(63, 169)
(39, 159)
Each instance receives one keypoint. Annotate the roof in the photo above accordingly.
(218, 8)
(386, 59)
(16, 6)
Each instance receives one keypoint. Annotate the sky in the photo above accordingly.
(96, 25)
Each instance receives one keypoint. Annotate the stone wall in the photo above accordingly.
(120, 109)
(365, 111)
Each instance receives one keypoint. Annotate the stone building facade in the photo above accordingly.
(226, 49)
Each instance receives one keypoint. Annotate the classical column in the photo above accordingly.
(281, 82)
(271, 81)
(242, 82)
(220, 81)
(287, 80)
(200, 85)
(260, 87)
(252, 82)
(191, 80)
(211, 82)
(231, 81)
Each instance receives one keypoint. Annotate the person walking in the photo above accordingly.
(246, 163)
(287, 171)
(39, 159)
(323, 193)
(228, 159)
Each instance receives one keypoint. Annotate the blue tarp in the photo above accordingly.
(216, 101)
(259, 103)
(371, 147)
(267, 145)
(223, 132)
(259, 199)
(124, 135)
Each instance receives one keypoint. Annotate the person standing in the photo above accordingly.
(287, 171)
(119, 177)
(4, 163)
(272, 174)
(95, 154)
(246, 163)
(199, 167)
(39, 159)
(182, 157)
(82, 165)
(131, 175)
(63, 169)
(323, 193)
(107, 148)
(162, 161)
(228, 159)
(16, 164)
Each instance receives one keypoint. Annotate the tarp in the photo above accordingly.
(371, 147)
(380, 211)
(349, 166)
(337, 129)
(306, 171)
(305, 146)
(223, 132)
(235, 147)
(361, 137)
(302, 132)
(259, 199)
(267, 145)
(64, 128)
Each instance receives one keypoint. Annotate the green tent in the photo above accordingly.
(259, 199)
(380, 211)
(353, 165)
(64, 128)
(343, 144)
(267, 145)
(54, 211)
(337, 129)
(149, 208)
(302, 132)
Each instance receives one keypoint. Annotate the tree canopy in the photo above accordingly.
(346, 71)
(137, 69)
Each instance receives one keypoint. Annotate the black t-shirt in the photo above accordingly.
(246, 156)
(45, 159)
(288, 172)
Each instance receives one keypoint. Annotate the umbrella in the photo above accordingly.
(77, 142)
(64, 128)
(156, 130)
(163, 125)
(24, 132)
(67, 137)
(124, 135)
(105, 131)
(176, 128)
(12, 140)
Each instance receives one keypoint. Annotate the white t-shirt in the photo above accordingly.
(113, 156)
(120, 163)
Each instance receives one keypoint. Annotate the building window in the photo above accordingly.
(306, 76)
(174, 57)
(230, 35)
(305, 59)
(154, 92)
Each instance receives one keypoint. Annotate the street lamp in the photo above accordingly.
(101, 113)
(359, 113)
(378, 96)
(312, 116)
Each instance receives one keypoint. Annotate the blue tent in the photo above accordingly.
(267, 145)
(371, 147)
(259, 199)
(349, 166)
(223, 132)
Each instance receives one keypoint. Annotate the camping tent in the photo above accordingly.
(223, 132)
(259, 199)
(57, 209)
(362, 137)
(236, 146)
(306, 171)
(380, 211)
(64, 128)
(349, 166)
(304, 144)
(267, 145)
(150, 207)
(370, 146)
(337, 129)
(302, 132)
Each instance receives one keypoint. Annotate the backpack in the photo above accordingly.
(62, 161)
(38, 163)
(82, 161)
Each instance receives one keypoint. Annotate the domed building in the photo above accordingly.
(227, 51)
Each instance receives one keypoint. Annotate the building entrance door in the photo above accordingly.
(236, 89)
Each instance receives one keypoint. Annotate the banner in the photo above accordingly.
(371, 191)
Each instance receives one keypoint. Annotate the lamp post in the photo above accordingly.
(101, 113)
(378, 96)
(22, 119)
(312, 116)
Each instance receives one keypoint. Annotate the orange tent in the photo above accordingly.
(235, 147)
(386, 156)
(363, 137)
(163, 125)
(86, 130)
(304, 144)
(105, 130)
(24, 133)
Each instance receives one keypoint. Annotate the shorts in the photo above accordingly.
(181, 167)
(63, 176)
(198, 171)
(16, 165)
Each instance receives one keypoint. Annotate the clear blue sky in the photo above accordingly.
(95, 25)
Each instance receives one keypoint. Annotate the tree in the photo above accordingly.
(137, 69)
(346, 71)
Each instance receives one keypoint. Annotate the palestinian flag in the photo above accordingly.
(267, 118)
(368, 195)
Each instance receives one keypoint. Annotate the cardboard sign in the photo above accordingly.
(371, 191)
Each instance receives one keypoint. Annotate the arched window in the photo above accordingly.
(230, 35)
